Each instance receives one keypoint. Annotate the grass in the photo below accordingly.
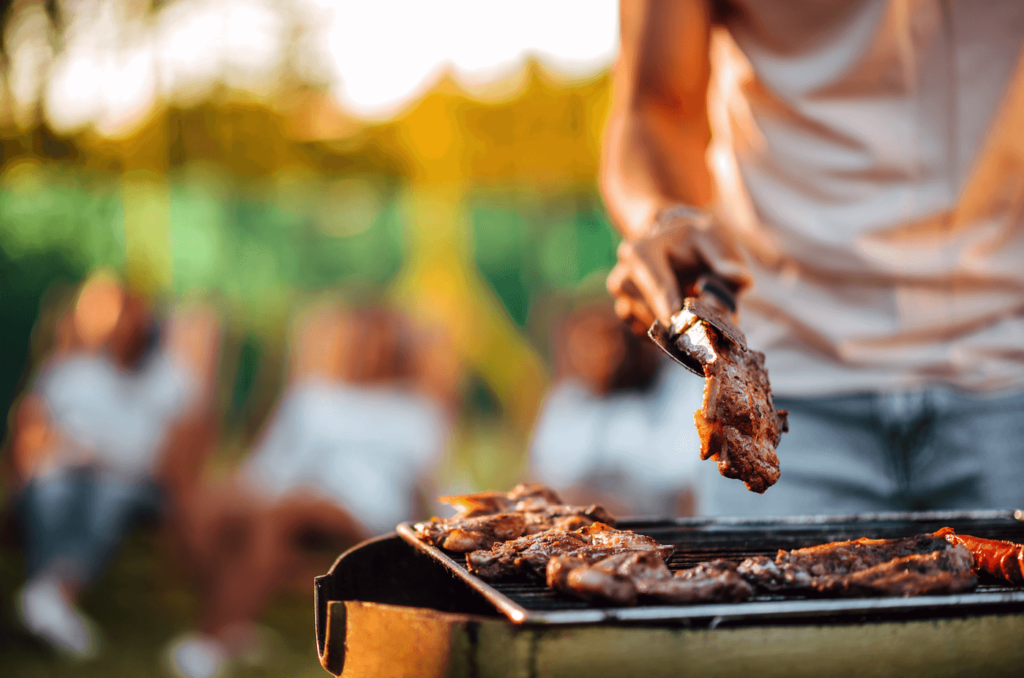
(142, 601)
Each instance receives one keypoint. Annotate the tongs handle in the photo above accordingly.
(719, 287)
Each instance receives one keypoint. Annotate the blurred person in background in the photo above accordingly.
(113, 429)
(863, 191)
(348, 454)
(612, 427)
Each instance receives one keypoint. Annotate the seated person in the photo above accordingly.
(104, 431)
(616, 428)
(346, 455)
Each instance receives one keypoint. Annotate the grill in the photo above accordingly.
(393, 606)
(526, 601)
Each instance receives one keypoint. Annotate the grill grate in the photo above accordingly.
(699, 540)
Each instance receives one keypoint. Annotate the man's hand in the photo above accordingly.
(655, 271)
(34, 439)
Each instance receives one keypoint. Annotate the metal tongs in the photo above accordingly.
(711, 301)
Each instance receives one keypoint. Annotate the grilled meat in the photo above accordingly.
(525, 496)
(767, 575)
(485, 518)
(738, 424)
(925, 564)
(565, 517)
(713, 582)
(530, 554)
(946, 571)
(470, 534)
(888, 567)
(1000, 560)
(845, 557)
(622, 578)
(576, 576)
(530, 532)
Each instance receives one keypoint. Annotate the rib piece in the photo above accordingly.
(529, 496)
(622, 578)
(575, 576)
(1001, 560)
(767, 575)
(485, 518)
(888, 567)
(530, 554)
(565, 517)
(738, 424)
(846, 557)
(715, 581)
(947, 571)
(925, 564)
(470, 534)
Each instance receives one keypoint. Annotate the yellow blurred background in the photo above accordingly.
(439, 157)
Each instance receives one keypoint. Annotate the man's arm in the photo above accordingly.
(34, 437)
(193, 341)
(655, 159)
(658, 129)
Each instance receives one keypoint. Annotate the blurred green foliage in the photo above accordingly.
(258, 249)
(256, 252)
(529, 247)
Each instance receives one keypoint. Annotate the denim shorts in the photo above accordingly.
(933, 449)
(74, 519)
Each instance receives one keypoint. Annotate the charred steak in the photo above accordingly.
(738, 424)
(886, 567)
(486, 518)
(621, 579)
(530, 554)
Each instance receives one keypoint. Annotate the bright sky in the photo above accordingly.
(118, 59)
(409, 42)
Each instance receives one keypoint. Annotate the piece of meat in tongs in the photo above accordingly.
(530, 554)
(485, 518)
(621, 579)
(738, 424)
(925, 564)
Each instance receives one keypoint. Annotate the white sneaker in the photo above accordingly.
(46, 613)
(252, 644)
(196, 656)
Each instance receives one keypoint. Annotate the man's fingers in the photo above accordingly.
(647, 276)
(641, 318)
(624, 309)
(630, 304)
(651, 271)
(622, 292)
(635, 314)
(617, 279)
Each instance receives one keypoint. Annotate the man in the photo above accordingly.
(116, 418)
(346, 455)
(862, 189)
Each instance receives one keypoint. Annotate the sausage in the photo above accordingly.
(1003, 560)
